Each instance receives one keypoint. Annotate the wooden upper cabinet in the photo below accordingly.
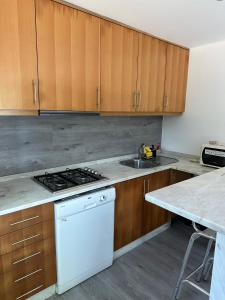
(119, 55)
(176, 79)
(68, 43)
(54, 57)
(18, 57)
(151, 74)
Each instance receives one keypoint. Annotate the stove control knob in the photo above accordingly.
(92, 171)
(96, 173)
(85, 169)
(89, 170)
(102, 198)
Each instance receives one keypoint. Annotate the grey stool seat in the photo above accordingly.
(203, 269)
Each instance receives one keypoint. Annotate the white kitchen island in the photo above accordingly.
(202, 200)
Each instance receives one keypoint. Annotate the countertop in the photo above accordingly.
(20, 191)
(200, 199)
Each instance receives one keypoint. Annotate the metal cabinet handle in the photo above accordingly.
(98, 99)
(27, 239)
(144, 187)
(138, 99)
(148, 186)
(135, 100)
(165, 102)
(26, 258)
(28, 275)
(28, 293)
(35, 85)
(25, 220)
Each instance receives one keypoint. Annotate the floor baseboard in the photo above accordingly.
(45, 294)
(140, 241)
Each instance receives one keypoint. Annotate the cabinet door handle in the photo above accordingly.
(148, 185)
(28, 293)
(165, 102)
(26, 258)
(135, 100)
(28, 275)
(98, 100)
(35, 85)
(138, 99)
(27, 239)
(25, 220)
(144, 187)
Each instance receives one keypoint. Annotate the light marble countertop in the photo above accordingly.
(20, 191)
(200, 199)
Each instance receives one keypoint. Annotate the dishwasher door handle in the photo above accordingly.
(90, 205)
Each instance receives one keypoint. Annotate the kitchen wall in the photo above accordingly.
(33, 143)
(204, 118)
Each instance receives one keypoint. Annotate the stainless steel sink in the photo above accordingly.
(151, 163)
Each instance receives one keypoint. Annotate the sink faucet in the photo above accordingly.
(141, 154)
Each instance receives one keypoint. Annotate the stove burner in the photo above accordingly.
(67, 179)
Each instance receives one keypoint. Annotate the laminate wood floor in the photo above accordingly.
(149, 272)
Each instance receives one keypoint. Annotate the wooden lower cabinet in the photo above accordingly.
(153, 215)
(128, 212)
(134, 217)
(178, 176)
(27, 255)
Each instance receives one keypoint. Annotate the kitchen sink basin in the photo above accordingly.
(151, 163)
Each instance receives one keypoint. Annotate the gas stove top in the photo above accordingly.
(59, 181)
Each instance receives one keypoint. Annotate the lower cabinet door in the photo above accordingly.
(153, 215)
(128, 212)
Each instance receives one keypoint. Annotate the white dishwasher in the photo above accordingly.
(84, 236)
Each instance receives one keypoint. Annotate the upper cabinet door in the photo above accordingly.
(176, 79)
(68, 44)
(119, 55)
(151, 74)
(18, 57)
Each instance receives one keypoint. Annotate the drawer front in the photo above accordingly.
(19, 288)
(26, 259)
(25, 237)
(25, 218)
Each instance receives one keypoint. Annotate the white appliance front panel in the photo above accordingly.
(84, 245)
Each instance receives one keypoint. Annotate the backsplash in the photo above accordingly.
(34, 143)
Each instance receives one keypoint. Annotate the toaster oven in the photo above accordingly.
(212, 155)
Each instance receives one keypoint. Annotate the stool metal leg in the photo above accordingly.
(208, 268)
(200, 274)
(185, 261)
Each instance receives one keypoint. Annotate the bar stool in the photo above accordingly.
(204, 269)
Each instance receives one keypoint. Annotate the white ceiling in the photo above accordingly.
(187, 22)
